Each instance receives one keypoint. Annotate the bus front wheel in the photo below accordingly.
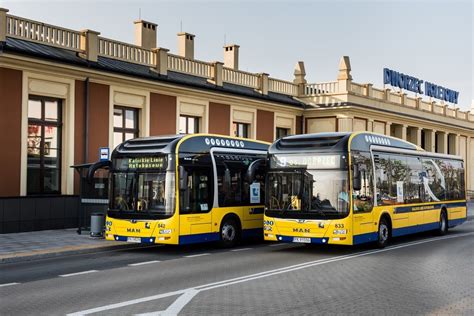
(229, 233)
(383, 233)
(443, 224)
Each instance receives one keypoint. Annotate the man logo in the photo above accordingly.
(301, 230)
(133, 230)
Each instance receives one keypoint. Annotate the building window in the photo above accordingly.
(188, 124)
(44, 146)
(282, 132)
(241, 129)
(125, 124)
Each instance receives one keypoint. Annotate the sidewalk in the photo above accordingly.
(51, 243)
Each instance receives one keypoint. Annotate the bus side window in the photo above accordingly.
(414, 191)
(454, 174)
(363, 199)
(435, 180)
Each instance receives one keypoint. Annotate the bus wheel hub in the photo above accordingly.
(228, 232)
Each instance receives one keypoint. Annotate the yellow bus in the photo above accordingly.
(354, 188)
(184, 189)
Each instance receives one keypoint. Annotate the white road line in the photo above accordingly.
(9, 284)
(197, 255)
(241, 249)
(143, 263)
(205, 287)
(127, 303)
(77, 273)
(177, 305)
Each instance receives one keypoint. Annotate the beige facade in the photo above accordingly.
(262, 103)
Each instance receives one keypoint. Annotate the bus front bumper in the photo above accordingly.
(321, 232)
(141, 240)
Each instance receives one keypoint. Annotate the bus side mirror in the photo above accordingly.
(96, 166)
(253, 169)
(356, 179)
(183, 178)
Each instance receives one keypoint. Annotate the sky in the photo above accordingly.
(430, 40)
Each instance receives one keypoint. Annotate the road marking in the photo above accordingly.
(9, 284)
(127, 303)
(206, 287)
(177, 305)
(241, 249)
(77, 273)
(143, 263)
(197, 255)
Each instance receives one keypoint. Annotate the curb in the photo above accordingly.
(59, 253)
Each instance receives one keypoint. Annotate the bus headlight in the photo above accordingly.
(340, 232)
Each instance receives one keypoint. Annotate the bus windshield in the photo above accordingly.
(141, 192)
(308, 193)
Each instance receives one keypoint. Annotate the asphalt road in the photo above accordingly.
(421, 274)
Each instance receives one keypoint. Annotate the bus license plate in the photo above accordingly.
(302, 240)
(134, 239)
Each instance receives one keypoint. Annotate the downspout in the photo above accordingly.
(86, 121)
(302, 119)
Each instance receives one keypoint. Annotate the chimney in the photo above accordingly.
(231, 56)
(186, 45)
(145, 34)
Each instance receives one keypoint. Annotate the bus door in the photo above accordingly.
(239, 185)
(362, 193)
(363, 219)
(255, 186)
(195, 200)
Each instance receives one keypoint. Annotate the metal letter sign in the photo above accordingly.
(104, 153)
(405, 82)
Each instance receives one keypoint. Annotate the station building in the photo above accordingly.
(64, 94)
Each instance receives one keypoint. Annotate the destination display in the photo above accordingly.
(308, 161)
(410, 83)
(141, 163)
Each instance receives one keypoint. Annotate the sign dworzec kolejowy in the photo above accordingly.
(410, 83)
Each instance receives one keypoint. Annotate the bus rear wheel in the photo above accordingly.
(443, 224)
(383, 234)
(229, 233)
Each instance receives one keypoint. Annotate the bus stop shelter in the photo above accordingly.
(94, 187)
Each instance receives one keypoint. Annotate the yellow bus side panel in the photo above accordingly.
(405, 219)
